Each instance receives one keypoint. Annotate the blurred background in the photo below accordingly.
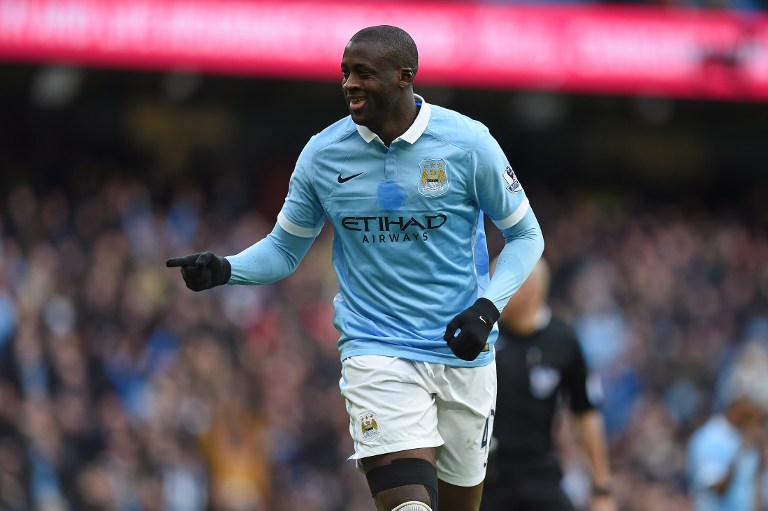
(133, 131)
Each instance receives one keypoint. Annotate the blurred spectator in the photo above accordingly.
(725, 457)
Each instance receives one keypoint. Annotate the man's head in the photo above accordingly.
(379, 64)
(525, 304)
(745, 413)
(396, 45)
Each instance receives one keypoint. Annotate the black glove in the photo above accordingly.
(475, 324)
(202, 270)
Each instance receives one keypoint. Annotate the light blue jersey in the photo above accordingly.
(409, 245)
(714, 450)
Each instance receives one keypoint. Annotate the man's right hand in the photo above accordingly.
(202, 270)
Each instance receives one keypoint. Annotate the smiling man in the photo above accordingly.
(405, 185)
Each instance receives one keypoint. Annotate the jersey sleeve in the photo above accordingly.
(299, 222)
(583, 388)
(302, 214)
(500, 195)
(498, 191)
(270, 259)
(523, 246)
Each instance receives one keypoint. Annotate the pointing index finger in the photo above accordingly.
(176, 262)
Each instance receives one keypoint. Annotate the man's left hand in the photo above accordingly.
(474, 324)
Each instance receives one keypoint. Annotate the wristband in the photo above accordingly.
(601, 490)
(487, 308)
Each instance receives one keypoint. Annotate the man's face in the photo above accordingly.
(371, 84)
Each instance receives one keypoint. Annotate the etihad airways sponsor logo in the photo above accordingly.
(393, 229)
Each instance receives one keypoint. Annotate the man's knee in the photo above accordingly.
(403, 474)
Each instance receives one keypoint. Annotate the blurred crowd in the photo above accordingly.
(122, 390)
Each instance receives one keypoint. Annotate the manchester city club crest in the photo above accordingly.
(369, 425)
(433, 177)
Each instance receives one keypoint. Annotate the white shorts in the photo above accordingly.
(396, 404)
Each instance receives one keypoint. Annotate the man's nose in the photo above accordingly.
(349, 83)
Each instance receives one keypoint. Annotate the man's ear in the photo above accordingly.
(406, 76)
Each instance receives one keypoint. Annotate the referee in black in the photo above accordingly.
(540, 366)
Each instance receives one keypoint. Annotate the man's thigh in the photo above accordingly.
(466, 400)
(399, 408)
(396, 494)
(451, 497)
(459, 498)
(390, 404)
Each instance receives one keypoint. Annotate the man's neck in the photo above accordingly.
(401, 119)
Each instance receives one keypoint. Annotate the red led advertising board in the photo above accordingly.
(693, 53)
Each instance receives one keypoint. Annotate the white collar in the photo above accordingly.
(412, 134)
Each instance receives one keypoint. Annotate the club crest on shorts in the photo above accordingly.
(513, 185)
(369, 425)
(433, 177)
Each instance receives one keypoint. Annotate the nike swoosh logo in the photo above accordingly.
(345, 179)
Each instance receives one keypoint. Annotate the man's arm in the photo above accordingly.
(523, 246)
(271, 259)
(585, 397)
(274, 257)
(590, 432)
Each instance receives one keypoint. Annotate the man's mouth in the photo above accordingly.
(356, 103)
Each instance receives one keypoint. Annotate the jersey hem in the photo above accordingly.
(482, 360)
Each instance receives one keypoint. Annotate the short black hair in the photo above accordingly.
(399, 46)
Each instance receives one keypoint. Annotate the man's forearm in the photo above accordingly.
(591, 434)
